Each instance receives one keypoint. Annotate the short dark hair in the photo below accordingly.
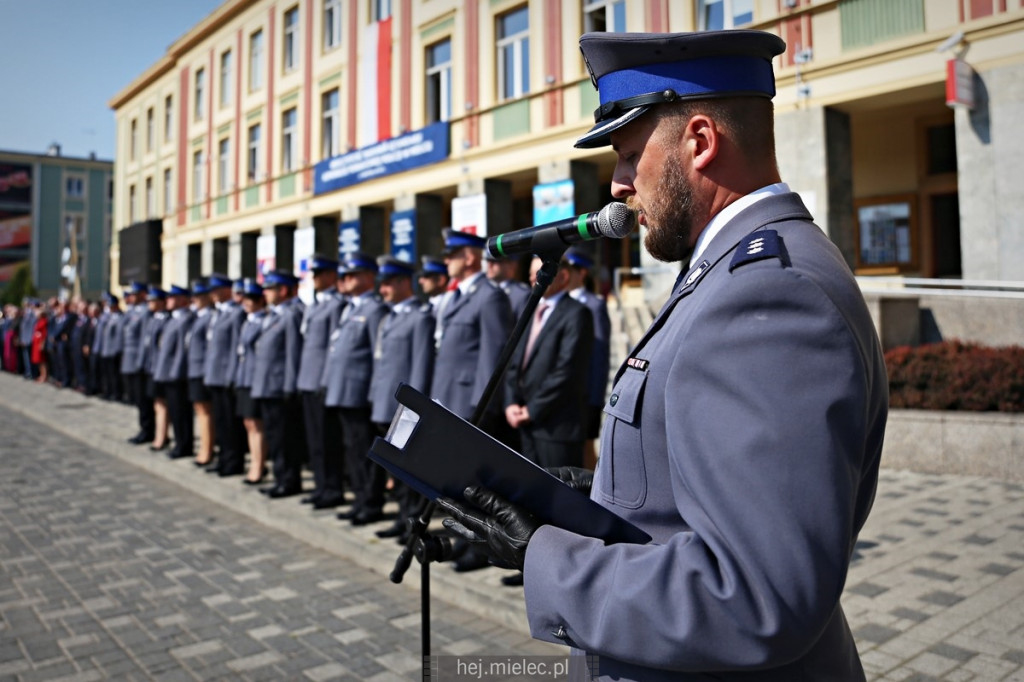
(750, 121)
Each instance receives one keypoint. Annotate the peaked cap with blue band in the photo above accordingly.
(137, 287)
(389, 266)
(216, 281)
(453, 239)
(578, 258)
(250, 287)
(431, 265)
(318, 263)
(357, 261)
(175, 290)
(157, 293)
(279, 278)
(236, 286)
(634, 71)
(109, 298)
(200, 287)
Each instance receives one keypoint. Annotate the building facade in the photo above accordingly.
(55, 216)
(274, 128)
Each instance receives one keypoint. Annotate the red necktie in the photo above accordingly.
(538, 322)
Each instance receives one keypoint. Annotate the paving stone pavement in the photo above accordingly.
(116, 563)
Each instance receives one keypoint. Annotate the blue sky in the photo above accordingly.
(63, 60)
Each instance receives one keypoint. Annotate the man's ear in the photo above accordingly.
(702, 140)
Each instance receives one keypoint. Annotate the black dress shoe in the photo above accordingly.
(367, 516)
(178, 454)
(310, 499)
(278, 492)
(249, 481)
(472, 560)
(224, 473)
(348, 515)
(159, 448)
(212, 467)
(203, 464)
(396, 529)
(328, 501)
(139, 439)
(514, 580)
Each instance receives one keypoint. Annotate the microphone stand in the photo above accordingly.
(425, 547)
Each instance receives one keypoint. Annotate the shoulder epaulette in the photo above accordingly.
(758, 245)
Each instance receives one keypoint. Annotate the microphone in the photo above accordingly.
(615, 221)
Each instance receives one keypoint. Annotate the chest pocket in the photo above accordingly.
(624, 481)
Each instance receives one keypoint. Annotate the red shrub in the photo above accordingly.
(956, 376)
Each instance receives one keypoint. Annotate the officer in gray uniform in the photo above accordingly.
(319, 322)
(171, 370)
(132, 329)
(110, 352)
(744, 431)
(346, 381)
(274, 382)
(403, 353)
(152, 332)
(505, 273)
(198, 394)
(221, 341)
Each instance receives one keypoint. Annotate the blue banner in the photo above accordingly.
(348, 238)
(403, 235)
(405, 152)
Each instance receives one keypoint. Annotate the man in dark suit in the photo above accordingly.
(346, 382)
(744, 431)
(221, 342)
(545, 388)
(26, 328)
(322, 434)
(404, 353)
(274, 381)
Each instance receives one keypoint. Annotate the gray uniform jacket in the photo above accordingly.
(244, 363)
(552, 382)
(600, 356)
(278, 351)
(349, 364)
(152, 333)
(743, 434)
(475, 329)
(318, 324)
(172, 357)
(132, 329)
(403, 353)
(195, 342)
(517, 292)
(113, 341)
(27, 328)
(96, 349)
(221, 342)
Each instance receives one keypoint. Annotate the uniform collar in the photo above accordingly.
(723, 217)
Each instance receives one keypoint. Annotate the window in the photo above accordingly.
(439, 81)
(254, 151)
(74, 187)
(225, 78)
(256, 60)
(197, 176)
(291, 39)
(133, 139)
(168, 205)
(150, 199)
(381, 9)
(514, 54)
(223, 164)
(149, 129)
(604, 15)
(331, 125)
(200, 109)
(332, 24)
(886, 233)
(168, 118)
(715, 15)
(131, 205)
(288, 136)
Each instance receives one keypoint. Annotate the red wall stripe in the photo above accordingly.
(183, 87)
(553, 61)
(352, 70)
(307, 101)
(473, 70)
(271, 70)
(384, 78)
(405, 68)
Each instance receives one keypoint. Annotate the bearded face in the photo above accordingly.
(668, 213)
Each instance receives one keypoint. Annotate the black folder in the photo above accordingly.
(439, 454)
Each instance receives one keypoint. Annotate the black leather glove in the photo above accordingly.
(499, 528)
(574, 477)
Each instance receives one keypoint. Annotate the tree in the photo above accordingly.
(19, 286)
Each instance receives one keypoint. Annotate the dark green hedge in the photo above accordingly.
(956, 376)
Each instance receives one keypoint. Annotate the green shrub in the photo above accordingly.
(956, 376)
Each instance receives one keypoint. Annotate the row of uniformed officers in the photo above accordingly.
(255, 370)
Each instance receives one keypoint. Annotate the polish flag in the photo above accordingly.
(375, 84)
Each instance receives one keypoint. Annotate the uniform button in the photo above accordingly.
(614, 399)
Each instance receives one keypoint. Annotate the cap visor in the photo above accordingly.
(599, 135)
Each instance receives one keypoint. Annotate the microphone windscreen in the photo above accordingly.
(616, 220)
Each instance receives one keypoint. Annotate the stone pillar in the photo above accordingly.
(235, 255)
(990, 149)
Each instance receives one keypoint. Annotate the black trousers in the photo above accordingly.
(410, 502)
(285, 439)
(323, 434)
(365, 476)
(231, 460)
(179, 411)
(115, 381)
(143, 403)
(551, 453)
